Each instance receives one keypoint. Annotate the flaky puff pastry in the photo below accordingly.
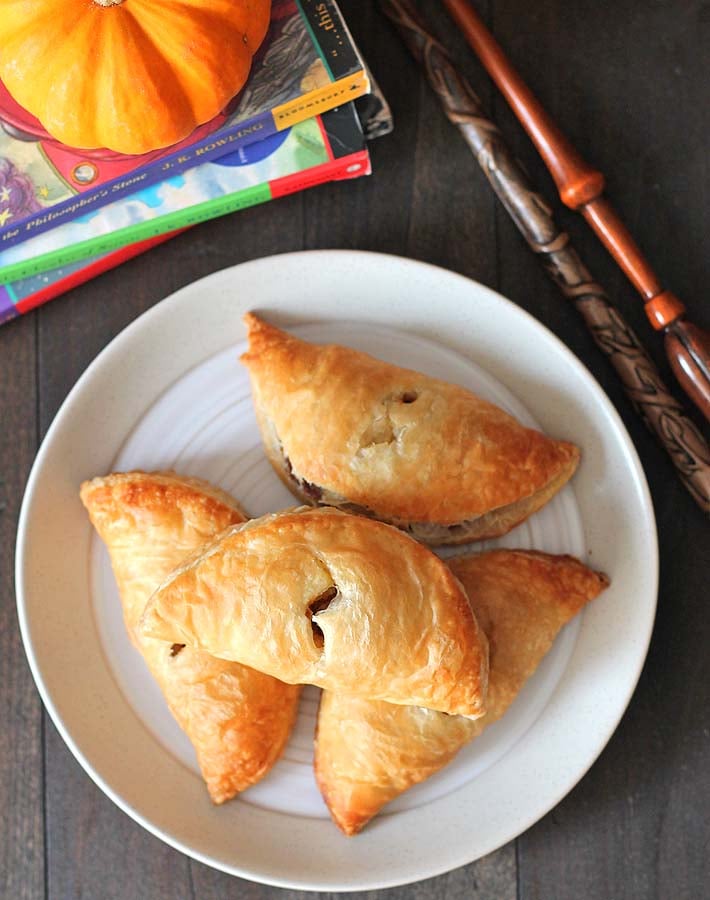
(368, 752)
(321, 597)
(343, 429)
(238, 720)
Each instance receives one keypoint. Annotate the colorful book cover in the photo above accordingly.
(308, 64)
(328, 147)
(26, 294)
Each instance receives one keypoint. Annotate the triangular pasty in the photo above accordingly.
(343, 429)
(369, 752)
(238, 720)
(321, 597)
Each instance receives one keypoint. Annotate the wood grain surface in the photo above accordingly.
(628, 82)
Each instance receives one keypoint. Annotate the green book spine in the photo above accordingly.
(201, 212)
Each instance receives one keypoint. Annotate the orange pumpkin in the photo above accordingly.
(130, 75)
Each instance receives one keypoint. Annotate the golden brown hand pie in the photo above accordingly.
(321, 597)
(368, 752)
(237, 719)
(343, 429)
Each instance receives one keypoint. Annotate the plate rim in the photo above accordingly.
(125, 336)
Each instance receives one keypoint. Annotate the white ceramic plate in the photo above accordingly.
(169, 392)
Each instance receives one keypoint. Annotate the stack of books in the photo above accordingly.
(302, 119)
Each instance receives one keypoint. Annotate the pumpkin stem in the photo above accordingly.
(108, 2)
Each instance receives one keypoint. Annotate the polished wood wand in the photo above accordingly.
(581, 188)
(661, 412)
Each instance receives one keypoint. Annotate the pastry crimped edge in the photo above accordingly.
(183, 485)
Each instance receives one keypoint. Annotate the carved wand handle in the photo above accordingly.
(661, 412)
(581, 187)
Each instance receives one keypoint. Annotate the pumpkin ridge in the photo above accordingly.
(169, 93)
(37, 37)
(196, 69)
(60, 95)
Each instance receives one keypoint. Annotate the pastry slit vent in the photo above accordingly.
(176, 648)
(318, 604)
(383, 429)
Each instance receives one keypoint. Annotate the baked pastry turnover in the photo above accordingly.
(237, 719)
(321, 597)
(346, 430)
(368, 752)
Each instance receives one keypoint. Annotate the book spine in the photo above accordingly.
(321, 100)
(183, 218)
(201, 212)
(351, 166)
(91, 269)
(8, 310)
(332, 38)
(256, 129)
(358, 167)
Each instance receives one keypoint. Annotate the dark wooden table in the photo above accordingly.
(629, 81)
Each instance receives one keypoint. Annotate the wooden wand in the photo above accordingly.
(581, 188)
(661, 412)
